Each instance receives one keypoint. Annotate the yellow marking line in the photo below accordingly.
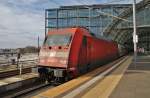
(104, 88)
(80, 89)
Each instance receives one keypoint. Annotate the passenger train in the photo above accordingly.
(69, 52)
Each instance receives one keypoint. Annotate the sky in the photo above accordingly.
(22, 21)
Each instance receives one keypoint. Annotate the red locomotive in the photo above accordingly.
(69, 52)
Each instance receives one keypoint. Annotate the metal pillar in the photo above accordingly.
(20, 69)
(45, 22)
(89, 17)
(134, 30)
(38, 45)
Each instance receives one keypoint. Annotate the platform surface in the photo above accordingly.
(130, 80)
(136, 81)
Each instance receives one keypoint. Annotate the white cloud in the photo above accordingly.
(17, 26)
(21, 21)
(22, 2)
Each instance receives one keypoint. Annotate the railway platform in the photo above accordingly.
(12, 83)
(135, 83)
(124, 79)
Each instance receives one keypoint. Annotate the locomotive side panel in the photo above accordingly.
(74, 52)
(113, 50)
(83, 56)
(100, 52)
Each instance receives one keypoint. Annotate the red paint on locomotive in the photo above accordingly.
(75, 51)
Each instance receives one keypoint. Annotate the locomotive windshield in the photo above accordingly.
(58, 39)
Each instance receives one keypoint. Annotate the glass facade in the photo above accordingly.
(72, 16)
(121, 31)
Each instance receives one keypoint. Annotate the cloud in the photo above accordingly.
(21, 21)
(17, 26)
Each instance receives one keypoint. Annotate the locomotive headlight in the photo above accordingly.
(63, 61)
(52, 54)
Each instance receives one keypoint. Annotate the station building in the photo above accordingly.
(98, 19)
(90, 16)
(122, 31)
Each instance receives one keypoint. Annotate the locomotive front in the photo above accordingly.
(54, 56)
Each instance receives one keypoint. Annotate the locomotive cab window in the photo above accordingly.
(58, 40)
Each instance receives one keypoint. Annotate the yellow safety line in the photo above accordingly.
(104, 88)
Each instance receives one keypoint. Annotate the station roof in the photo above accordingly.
(123, 34)
(91, 6)
(97, 5)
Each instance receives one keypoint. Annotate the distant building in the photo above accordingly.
(1, 51)
(71, 16)
(7, 51)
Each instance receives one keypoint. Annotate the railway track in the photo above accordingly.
(31, 89)
(19, 84)
(7, 70)
(10, 73)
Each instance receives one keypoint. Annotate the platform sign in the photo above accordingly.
(135, 39)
